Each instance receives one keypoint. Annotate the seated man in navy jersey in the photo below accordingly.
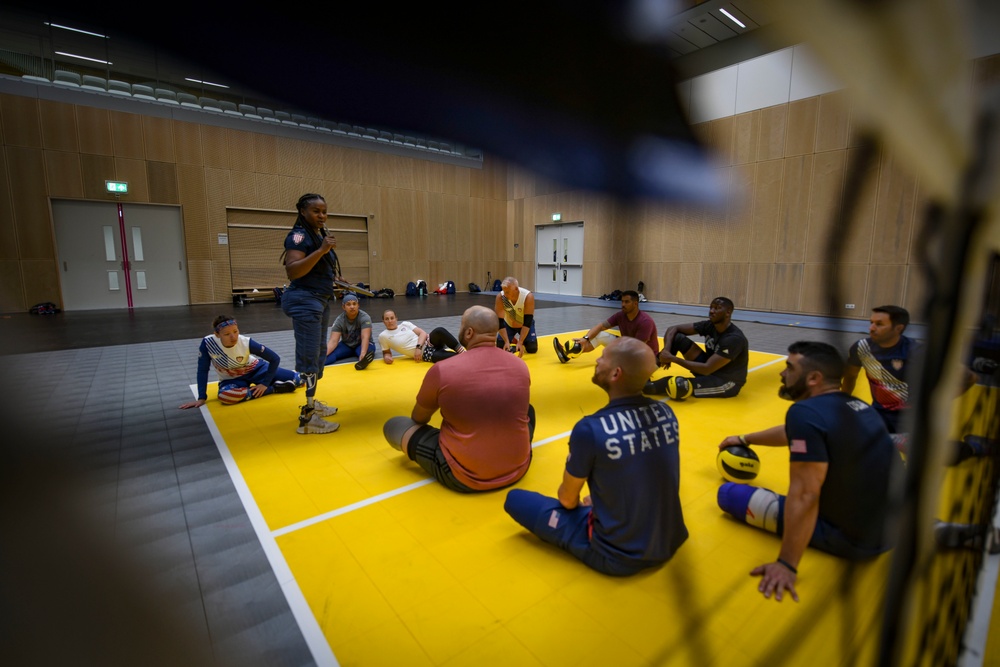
(627, 453)
(841, 461)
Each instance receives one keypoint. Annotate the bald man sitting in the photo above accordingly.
(515, 308)
(487, 422)
(627, 454)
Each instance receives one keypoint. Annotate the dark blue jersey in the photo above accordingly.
(628, 453)
(320, 277)
(848, 435)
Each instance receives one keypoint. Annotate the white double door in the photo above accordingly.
(98, 268)
(559, 259)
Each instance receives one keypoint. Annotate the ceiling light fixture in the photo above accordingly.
(93, 60)
(207, 83)
(85, 32)
(732, 18)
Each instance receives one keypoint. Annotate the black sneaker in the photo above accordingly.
(560, 352)
(283, 386)
(363, 364)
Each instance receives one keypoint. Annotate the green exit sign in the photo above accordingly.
(117, 187)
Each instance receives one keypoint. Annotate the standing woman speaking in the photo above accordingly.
(311, 265)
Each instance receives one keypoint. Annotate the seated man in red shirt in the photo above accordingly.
(631, 322)
(487, 422)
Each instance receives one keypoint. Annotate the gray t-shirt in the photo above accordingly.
(350, 332)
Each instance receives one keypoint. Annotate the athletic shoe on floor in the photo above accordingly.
(560, 352)
(284, 386)
(363, 364)
(651, 388)
(315, 424)
(322, 409)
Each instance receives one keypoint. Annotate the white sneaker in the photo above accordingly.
(316, 424)
(323, 410)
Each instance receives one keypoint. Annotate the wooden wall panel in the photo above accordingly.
(333, 163)
(241, 151)
(269, 194)
(801, 131)
(158, 135)
(64, 174)
(760, 287)
(787, 287)
(689, 282)
(827, 186)
(893, 214)
(398, 207)
(746, 136)
(200, 277)
(367, 167)
(187, 143)
(766, 207)
(12, 288)
(290, 188)
(95, 131)
(692, 236)
(126, 133)
(58, 124)
(436, 221)
(650, 273)
(95, 170)
(162, 182)
(135, 172)
(853, 285)
(28, 196)
(859, 241)
(721, 136)
(198, 240)
(437, 228)
(8, 237)
(831, 126)
(215, 146)
(244, 189)
(312, 160)
(288, 153)
(21, 123)
(265, 153)
(218, 194)
(41, 281)
(771, 140)
(915, 290)
(739, 213)
(793, 212)
(886, 285)
(728, 280)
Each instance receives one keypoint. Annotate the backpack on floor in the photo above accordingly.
(411, 289)
(44, 308)
(473, 287)
(497, 286)
(449, 287)
(421, 288)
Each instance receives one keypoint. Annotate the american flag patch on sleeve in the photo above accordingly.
(798, 446)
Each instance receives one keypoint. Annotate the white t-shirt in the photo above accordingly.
(402, 339)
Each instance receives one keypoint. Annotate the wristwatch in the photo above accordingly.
(586, 337)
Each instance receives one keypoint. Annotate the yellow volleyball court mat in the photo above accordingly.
(383, 566)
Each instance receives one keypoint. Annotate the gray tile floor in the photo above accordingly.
(127, 493)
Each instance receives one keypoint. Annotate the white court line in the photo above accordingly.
(311, 632)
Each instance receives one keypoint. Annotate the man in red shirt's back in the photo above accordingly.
(479, 446)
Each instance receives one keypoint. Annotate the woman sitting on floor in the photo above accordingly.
(246, 368)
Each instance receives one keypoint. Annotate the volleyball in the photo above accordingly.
(738, 463)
